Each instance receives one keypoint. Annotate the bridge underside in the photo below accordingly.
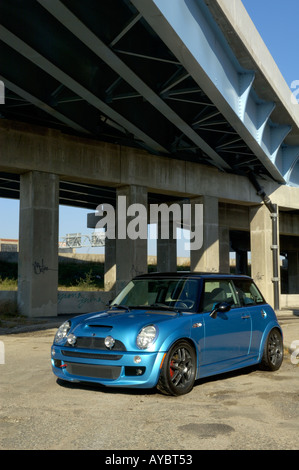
(75, 194)
(137, 74)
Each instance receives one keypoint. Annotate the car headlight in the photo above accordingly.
(62, 331)
(146, 337)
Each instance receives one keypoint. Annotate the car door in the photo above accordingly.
(254, 304)
(227, 337)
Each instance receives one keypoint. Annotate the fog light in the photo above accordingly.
(134, 371)
(109, 342)
(137, 359)
(71, 339)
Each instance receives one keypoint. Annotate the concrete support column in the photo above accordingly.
(110, 265)
(207, 258)
(261, 252)
(166, 250)
(131, 254)
(38, 244)
(224, 246)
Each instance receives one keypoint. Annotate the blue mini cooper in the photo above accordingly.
(168, 330)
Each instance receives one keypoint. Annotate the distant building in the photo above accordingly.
(9, 245)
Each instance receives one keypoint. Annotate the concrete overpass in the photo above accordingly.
(133, 98)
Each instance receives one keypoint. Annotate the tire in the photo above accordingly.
(273, 351)
(179, 370)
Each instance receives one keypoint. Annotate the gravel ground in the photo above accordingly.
(249, 409)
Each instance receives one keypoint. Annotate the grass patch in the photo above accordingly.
(8, 284)
(8, 276)
(71, 276)
(86, 276)
(81, 276)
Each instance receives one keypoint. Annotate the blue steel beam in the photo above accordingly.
(190, 32)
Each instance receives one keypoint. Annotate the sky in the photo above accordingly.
(277, 23)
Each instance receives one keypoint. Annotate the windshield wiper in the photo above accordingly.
(119, 306)
(161, 306)
(165, 307)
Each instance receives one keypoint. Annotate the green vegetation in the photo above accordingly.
(8, 276)
(80, 276)
(71, 275)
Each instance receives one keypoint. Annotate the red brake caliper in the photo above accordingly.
(171, 371)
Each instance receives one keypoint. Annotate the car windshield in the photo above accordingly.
(162, 293)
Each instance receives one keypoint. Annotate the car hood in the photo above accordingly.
(124, 325)
(121, 318)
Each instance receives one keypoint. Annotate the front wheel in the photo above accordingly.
(179, 369)
(273, 351)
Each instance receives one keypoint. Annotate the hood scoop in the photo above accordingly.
(103, 327)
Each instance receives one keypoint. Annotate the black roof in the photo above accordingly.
(194, 274)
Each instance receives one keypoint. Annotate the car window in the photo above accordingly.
(178, 293)
(216, 291)
(248, 293)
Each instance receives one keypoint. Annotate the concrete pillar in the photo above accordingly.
(131, 254)
(261, 252)
(207, 258)
(110, 265)
(224, 246)
(166, 250)
(38, 244)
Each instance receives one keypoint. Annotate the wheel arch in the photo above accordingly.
(189, 340)
(267, 331)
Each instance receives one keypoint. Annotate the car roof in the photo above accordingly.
(194, 275)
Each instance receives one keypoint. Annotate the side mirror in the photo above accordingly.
(221, 307)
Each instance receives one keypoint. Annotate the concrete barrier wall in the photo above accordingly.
(69, 302)
(290, 301)
(8, 301)
(82, 301)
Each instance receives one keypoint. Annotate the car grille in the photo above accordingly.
(91, 342)
(93, 371)
(105, 357)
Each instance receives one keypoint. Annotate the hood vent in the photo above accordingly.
(101, 327)
(106, 327)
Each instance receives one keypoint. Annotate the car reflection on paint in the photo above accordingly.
(168, 330)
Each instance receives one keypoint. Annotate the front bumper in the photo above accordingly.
(121, 369)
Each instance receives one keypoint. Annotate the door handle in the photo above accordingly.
(245, 317)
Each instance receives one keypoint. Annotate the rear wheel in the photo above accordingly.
(179, 369)
(273, 351)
